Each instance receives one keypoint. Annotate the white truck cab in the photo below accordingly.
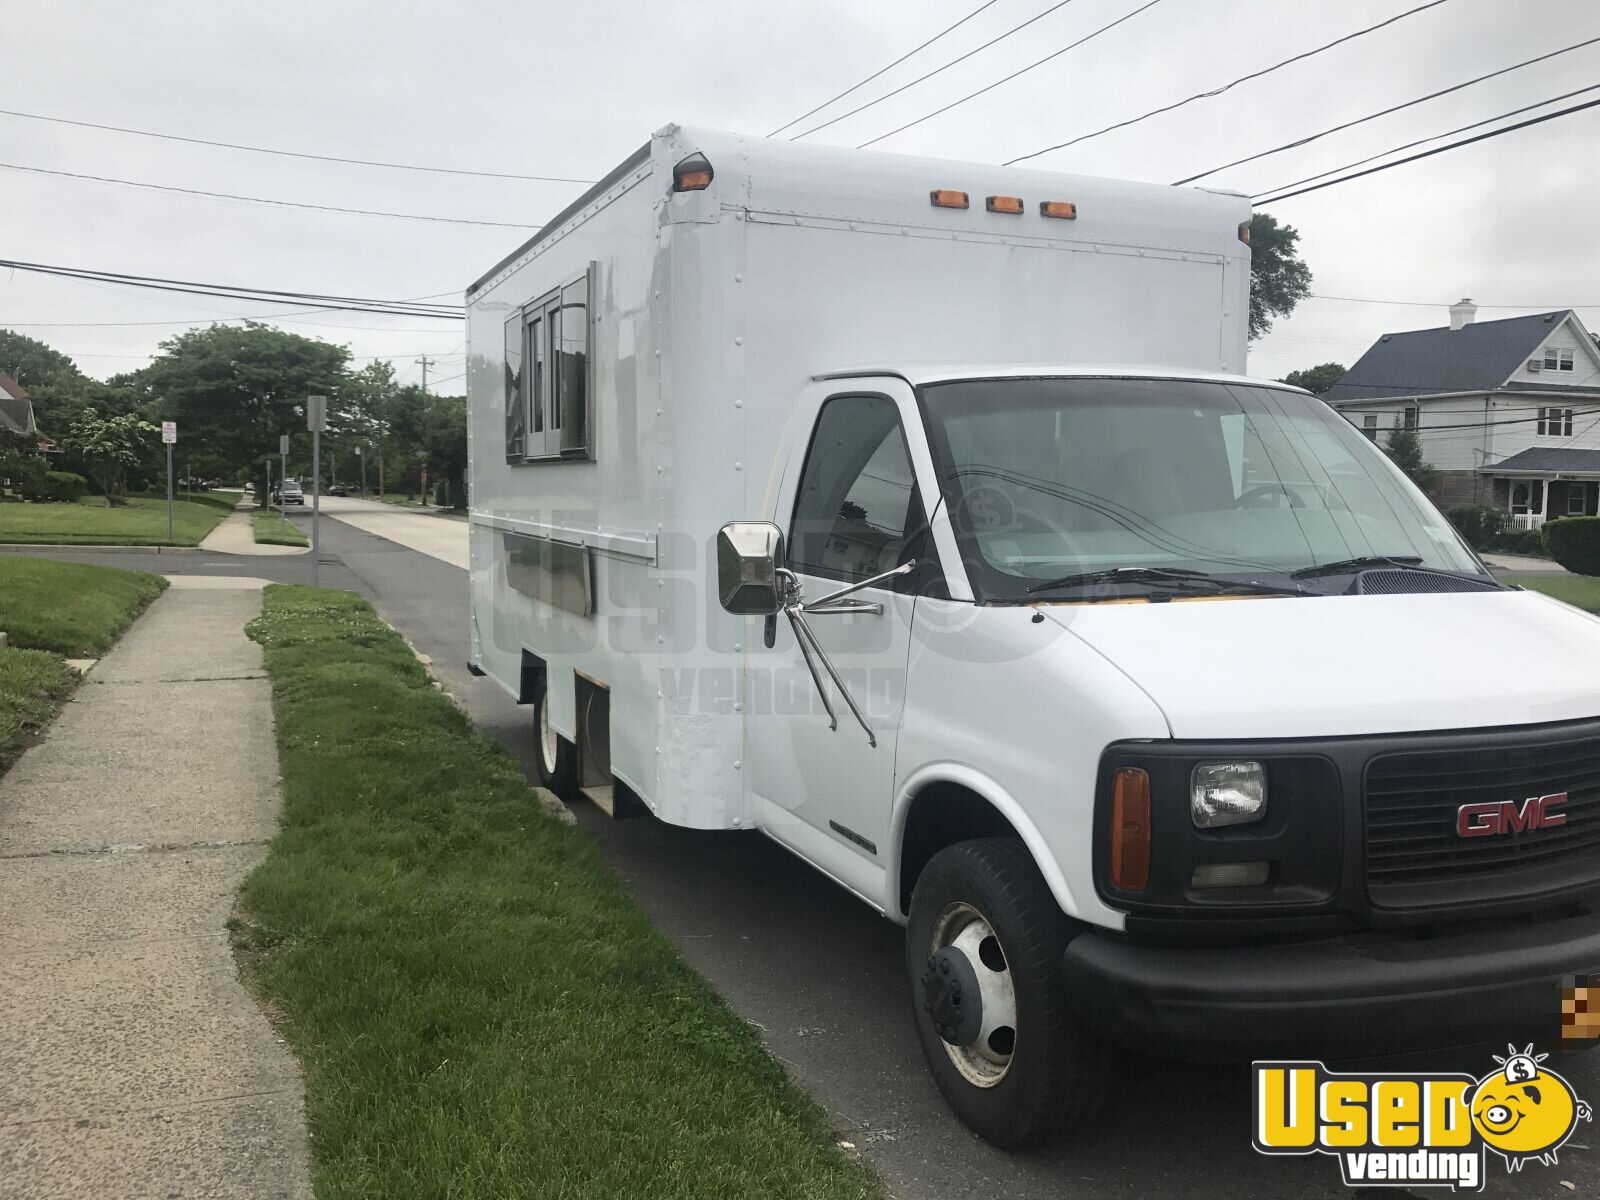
(1152, 699)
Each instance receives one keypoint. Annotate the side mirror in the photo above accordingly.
(748, 558)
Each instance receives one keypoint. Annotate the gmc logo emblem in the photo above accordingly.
(1507, 816)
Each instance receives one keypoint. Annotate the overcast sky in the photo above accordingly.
(570, 89)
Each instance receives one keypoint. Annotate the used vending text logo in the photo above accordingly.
(1417, 1130)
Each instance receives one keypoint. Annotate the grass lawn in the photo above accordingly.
(49, 609)
(1583, 591)
(480, 1008)
(403, 501)
(141, 522)
(272, 530)
(33, 683)
(68, 608)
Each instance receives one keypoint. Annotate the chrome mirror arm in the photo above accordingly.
(800, 638)
(803, 631)
(904, 568)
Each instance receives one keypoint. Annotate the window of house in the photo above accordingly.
(1409, 418)
(1552, 358)
(857, 499)
(1566, 360)
(1369, 426)
(1555, 422)
(1577, 498)
(547, 384)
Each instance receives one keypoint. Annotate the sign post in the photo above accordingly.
(169, 435)
(283, 473)
(316, 422)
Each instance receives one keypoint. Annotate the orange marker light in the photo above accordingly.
(945, 198)
(1065, 209)
(1244, 232)
(1130, 829)
(1004, 204)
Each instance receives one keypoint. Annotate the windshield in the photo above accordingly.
(1049, 477)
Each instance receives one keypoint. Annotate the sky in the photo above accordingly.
(571, 89)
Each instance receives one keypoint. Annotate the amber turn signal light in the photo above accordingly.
(1130, 829)
(1065, 209)
(1004, 204)
(945, 198)
(693, 174)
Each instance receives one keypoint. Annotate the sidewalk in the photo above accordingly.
(416, 528)
(132, 1061)
(236, 535)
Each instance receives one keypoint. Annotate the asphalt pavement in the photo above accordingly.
(822, 977)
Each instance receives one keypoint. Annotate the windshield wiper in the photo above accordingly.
(1172, 576)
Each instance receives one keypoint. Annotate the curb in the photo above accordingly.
(113, 548)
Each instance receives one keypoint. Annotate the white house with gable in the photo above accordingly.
(1508, 411)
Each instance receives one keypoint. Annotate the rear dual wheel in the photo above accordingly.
(984, 947)
(555, 759)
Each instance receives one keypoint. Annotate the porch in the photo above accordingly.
(1541, 485)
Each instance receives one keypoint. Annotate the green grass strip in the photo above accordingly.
(140, 522)
(33, 685)
(69, 608)
(480, 1007)
(1580, 590)
(271, 529)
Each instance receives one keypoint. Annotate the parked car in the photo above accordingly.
(288, 493)
(1027, 652)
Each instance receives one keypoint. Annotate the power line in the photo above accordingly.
(1007, 79)
(1217, 91)
(855, 86)
(1436, 136)
(228, 293)
(1436, 304)
(361, 212)
(936, 71)
(1392, 109)
(1400, 162)
(359, 162)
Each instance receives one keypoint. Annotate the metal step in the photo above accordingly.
(603, 798)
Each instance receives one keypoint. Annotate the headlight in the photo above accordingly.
(1227, 793)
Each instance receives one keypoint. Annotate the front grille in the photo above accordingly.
(1415, 856)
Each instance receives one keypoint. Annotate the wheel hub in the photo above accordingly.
(952, 998)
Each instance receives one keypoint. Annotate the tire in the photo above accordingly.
(555, 760)
(1056, 1075)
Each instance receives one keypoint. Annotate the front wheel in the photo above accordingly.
(984, 947)
(555, 759)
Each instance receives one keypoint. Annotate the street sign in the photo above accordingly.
(316, 413)
(169, 432)
(283, 443)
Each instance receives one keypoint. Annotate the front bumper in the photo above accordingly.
(1348, 997)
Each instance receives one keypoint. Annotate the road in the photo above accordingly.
(822, 977)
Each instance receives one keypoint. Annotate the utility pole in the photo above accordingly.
(316, 422)
(426, 363)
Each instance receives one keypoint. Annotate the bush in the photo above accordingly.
(1574, 542)
(56, 487)
(1479, 524)
(1518, 541)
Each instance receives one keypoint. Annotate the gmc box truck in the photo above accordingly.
(918, 516)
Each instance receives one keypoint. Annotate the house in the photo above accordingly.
(1508, 412)
(16, 407)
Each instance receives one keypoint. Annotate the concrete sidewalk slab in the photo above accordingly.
(236, 535)
(446, 540)
(132, 1061)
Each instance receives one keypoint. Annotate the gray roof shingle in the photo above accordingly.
(1547, 458)
(1477, 357)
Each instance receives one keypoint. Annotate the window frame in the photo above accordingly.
(1411, 417)
(1369, 426)
(1577, 490)
(550, 433)
(1554, 422)
(917, 535)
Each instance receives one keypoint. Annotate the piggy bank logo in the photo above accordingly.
(1523, 1110)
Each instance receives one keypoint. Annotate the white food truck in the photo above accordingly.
(918, 515)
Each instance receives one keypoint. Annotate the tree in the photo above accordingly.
(444, 444)
(234, 389)
(1278, 279)
(110, 448)
(1405, 447)
(51, 378)
(1316, 379)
